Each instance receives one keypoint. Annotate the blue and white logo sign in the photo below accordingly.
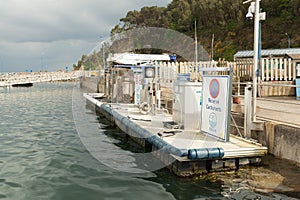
(213, 120)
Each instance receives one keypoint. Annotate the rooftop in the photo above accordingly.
(269, 52)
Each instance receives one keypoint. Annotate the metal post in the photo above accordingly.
(259, 62)
(247, 111)
(229, 105)
(212, 46)
(196, 44)
(103, 59)
(255, 57)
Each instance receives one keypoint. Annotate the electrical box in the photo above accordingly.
(187, 104)
(298, 70)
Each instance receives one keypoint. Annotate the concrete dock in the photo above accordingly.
(281, 118)
(185, 152)
(280, 109)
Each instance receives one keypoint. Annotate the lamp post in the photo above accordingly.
(102, 47)
(103, 59)
(196, 46)
(255, 56)
(254, 8)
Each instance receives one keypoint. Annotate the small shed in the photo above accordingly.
(278, 66)
(275, 64)
(293, 53)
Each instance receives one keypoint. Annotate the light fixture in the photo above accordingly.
(251, 11)
(249, 15)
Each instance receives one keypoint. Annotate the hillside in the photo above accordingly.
(225, 19)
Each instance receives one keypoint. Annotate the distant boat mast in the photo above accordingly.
(212, 46)
(196, 44)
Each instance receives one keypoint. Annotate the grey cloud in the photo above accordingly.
(62, 29)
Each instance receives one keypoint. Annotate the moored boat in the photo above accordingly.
(22, 85)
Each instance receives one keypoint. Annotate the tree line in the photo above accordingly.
(223, 19)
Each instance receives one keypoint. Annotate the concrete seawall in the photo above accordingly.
(283, 141)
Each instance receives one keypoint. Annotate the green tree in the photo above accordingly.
(223, 18)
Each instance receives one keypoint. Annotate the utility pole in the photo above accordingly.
(255, 56)
(254, 8)
(251, 122)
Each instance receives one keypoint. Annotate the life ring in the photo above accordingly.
(145, 108)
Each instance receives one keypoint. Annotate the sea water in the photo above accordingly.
(42, 156)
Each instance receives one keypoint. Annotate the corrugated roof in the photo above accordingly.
(268, 52)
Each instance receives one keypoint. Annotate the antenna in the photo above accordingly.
(212, 46)
(196, 44)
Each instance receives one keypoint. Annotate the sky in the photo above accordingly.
(53, 34)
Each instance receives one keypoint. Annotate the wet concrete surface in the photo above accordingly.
(273, 179)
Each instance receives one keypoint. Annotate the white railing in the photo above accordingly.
(272, 69)
(278, 69)
(243, 69)
(169, 71)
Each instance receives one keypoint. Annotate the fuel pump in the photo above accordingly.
(149, 90)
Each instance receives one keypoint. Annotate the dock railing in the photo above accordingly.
(272, 69)
(277, 78)
(279, 72)
(170, 70)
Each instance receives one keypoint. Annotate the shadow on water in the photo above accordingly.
(274, 179)
(188, 188)
(121, 139)
(246, 183)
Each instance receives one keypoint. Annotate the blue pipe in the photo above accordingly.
(205, 153)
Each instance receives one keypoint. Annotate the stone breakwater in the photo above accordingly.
(9, 79)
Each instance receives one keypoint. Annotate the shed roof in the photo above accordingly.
(268, 52)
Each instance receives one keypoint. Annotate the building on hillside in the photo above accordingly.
(293, 53)
(276, 64)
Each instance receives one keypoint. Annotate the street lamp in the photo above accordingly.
(254, 9)
(102, 47)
